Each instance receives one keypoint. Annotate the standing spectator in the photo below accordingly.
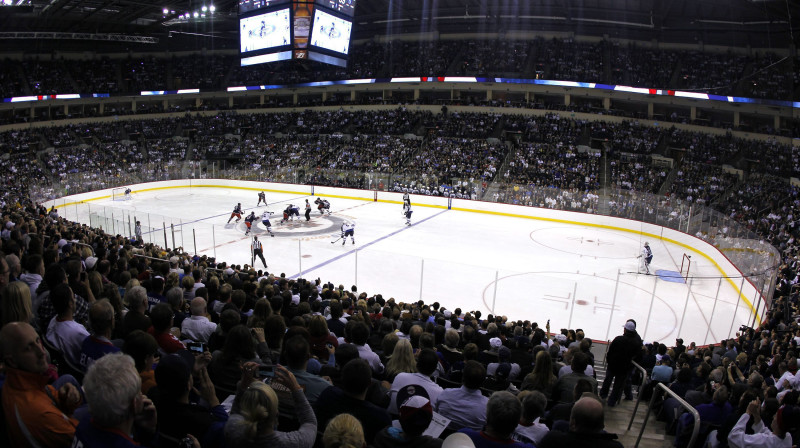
(622, 350)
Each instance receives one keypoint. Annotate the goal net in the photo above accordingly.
(686, 263)
(118, 194)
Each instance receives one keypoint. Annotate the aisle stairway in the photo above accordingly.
(618, 417)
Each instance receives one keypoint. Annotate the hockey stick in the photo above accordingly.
(337, 240)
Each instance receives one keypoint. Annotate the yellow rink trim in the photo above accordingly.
(488, 212)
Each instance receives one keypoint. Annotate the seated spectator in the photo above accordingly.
(321, 338)
(297, 353)
(36, 413)
(54, 276)
(135, 319)
(63, 332)
(98, 343)
(562, 391)
(356, 380)
(227, 320)
(143, 348)
(401, 360)
(466, 406)
(179, 412)
(586, 425)
(198, 327)
(785, 421)
(662, 372)
(416, 415)
(427, 363)
(162, 319)
(530, 429)
(359, 335)
(254, 415)
(113, 392)
(240, 347)
(560, 413)
(15, 305)
(378, 391)
(503, 412)
(343, 431)
(504, 356)
(542, 378)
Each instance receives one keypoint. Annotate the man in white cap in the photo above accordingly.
(622, 350)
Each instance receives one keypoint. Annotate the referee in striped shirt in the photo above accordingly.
(258, 251)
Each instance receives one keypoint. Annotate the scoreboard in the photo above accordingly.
(279, 30)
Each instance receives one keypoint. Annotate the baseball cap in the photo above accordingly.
(447, 314)
(495, 342)
(630, 326)
(90, 262)
(416, 414)
(229, 271)
(458, 440)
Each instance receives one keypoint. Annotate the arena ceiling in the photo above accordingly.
(756, 23)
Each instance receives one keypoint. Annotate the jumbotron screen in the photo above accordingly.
(252, 5)
(268, 30)
(331, 32)
(343, 6)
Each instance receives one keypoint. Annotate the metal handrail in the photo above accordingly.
(684, 404)
(645, 380)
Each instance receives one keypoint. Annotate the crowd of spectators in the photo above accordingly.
(758, 75)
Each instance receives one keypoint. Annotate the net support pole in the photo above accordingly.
(113, 224)
(149, 226)
(738, 299)
(421, 277)
(494, 295)
(613, 304)
(650, 311)
(572, 308)
(214, 240)
(194, 241)
(130, 229)
(685, 305)
(172, 230)
(164, 226)
(713, 310)
(183, 244)
(757, 301)
(355, 253)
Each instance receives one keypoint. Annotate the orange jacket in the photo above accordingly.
(31, 412)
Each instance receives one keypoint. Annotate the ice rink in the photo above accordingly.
(578, 276)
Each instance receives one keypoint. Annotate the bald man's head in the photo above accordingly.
(22, 348)
(198, 306)
(587, 415)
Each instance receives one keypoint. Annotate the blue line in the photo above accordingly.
(217, 216)
(339, 257)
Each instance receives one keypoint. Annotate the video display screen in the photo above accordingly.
(330, 32)
(252, 5)
(344, 6)
(266, 30)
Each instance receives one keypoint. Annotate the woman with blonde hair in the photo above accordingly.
(542, 377)
(344, 431)
(402, 360)
(15, 305)
(255, 414)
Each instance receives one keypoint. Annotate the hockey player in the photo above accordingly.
(262, 198)
(257, 251)
(265, 220)
(308, 211)
(237, 212)
(138, 232)
(127, 193)
(647, 256)
(406, 199)
(323, 206)
(290, 212)
(348, 229)
(249, 222)
(407, 213)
